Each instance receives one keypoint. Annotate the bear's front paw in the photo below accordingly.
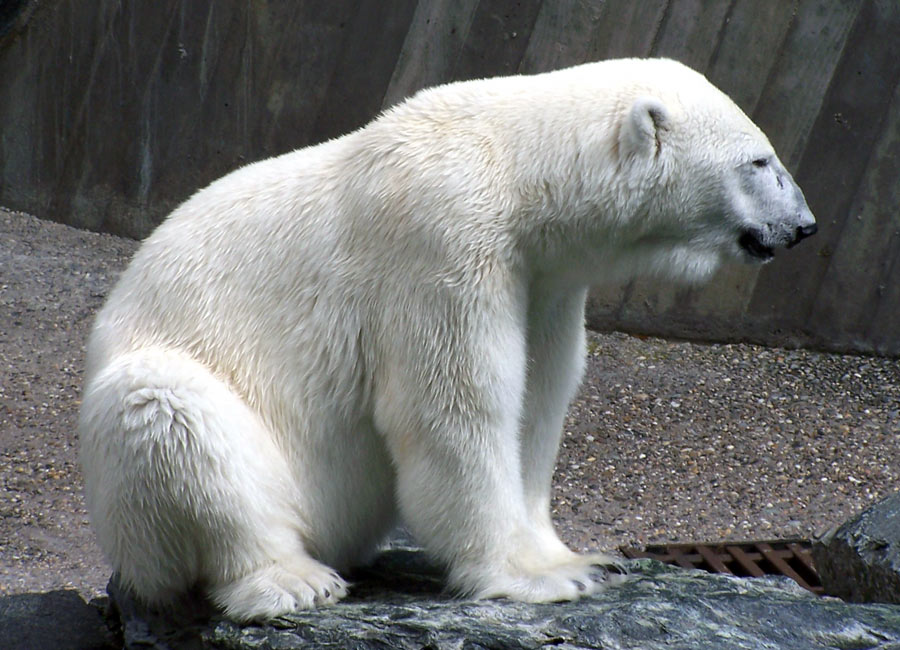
(579, 575)
(279, 589)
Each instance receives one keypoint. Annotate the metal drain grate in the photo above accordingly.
(791, 558)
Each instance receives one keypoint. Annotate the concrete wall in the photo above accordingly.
(112, 112)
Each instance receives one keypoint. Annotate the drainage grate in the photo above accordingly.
(791, 558)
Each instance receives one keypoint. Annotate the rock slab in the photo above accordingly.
(859, 560)
(59, 619)
(398, 603)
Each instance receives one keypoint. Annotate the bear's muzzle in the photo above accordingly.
(802, 233)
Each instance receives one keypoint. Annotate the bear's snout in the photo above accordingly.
(802, 233)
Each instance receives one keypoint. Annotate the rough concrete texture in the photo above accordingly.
(113, 112)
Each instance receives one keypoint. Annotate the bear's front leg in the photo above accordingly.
(556, 354)
(451, 418)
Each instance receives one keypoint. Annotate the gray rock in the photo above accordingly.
(399, 603)
(56, 619)
(859, 560)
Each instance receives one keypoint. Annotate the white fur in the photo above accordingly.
(391, 324)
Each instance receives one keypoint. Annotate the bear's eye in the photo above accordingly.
(761, 162)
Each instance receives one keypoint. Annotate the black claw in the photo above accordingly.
(613, 567)
(580, 585)
(327, 594)
(618, 569)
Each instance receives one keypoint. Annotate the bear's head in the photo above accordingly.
(713, 180)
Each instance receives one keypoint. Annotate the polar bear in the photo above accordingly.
(390, 326)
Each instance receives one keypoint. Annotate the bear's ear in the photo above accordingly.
(641, 133)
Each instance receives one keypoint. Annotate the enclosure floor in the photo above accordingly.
(666, 442)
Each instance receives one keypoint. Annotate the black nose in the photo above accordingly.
(806, 231)
(803, 232)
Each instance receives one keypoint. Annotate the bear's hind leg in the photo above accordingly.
(186, 485)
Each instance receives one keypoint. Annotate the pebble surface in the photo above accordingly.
(666, 442)
(681, 442)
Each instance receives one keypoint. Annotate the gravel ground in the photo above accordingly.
(667, 441)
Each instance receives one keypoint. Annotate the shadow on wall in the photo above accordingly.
(13, 15)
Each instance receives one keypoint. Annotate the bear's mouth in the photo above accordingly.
(751, 243)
